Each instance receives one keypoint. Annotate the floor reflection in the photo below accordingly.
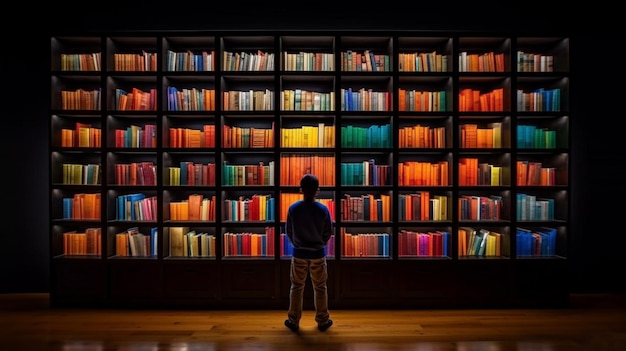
(330, 346)
(595, 324)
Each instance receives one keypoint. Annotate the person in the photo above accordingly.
(308, 227)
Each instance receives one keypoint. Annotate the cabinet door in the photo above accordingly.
(482, 283)
(364, 279)
(131, 280)
(540, 282)
(78, 281)
(420, 282)
(252, 280)
(191, 280)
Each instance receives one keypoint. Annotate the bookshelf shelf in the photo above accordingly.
(191, 145)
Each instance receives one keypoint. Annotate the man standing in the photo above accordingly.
(309, 227)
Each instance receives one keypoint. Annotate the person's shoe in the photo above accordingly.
(291, 325)
(325, 326)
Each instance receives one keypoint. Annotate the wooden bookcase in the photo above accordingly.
(481, 116)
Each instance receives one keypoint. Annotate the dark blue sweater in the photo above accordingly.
(309, 227)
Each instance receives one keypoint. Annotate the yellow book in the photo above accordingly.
(491, 245)
(204, 244)
(496, 127)
(192, 243)
(443, 207)
(212, 243)
(176, 241)
(497, 240)
(83, 137)
(496, 175)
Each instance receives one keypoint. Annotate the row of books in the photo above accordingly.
(362, 173)
(188, 242)
(366, 61)
(312, 136)
(419, 206)
(352, 99)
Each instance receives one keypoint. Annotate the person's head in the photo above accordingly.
(309, 185)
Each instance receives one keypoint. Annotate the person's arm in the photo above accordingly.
(289, 226)
(328, 227)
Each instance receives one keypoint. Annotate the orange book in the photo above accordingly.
(462, 242)
(499, 99)
(194, 205)
(226, 142)
(67, 237)
(402, 99)
(226, 100)
(424, 205)
(89, 206)
(183, 210)
(122, 248)
(255, 245)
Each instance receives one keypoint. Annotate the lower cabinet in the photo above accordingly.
(135, 282)
(482, 283)
(240, 283)
(364, 280)
(246, 284)
(423, 283)
(186, 282)
(540, 282)
(78, 282)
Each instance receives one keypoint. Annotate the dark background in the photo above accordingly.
(597, 235)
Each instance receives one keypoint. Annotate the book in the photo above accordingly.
(484, 237)
(177, 243)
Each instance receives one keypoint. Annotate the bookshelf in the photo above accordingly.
(443, 156)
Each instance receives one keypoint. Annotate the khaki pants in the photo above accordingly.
(318, 271)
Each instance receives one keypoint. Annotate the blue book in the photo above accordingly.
(67, 208)
(239, 244)
(524, 242)
(380, 244)
(269, 210)
(183, 173)
(366, 208)
(401, 207)
(171, 98)
(235, 214)
(386, 245)
(548, 242)
(288, 247)
(153, 241)
(120, 208)
(264, 245)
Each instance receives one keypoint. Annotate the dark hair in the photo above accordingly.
(309, 184)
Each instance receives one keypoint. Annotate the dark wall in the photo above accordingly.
(597, 152)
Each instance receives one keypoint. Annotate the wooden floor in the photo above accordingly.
(592, 322)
